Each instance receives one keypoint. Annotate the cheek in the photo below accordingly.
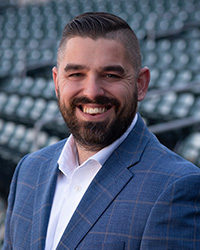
(125, 96)
(128, 98)
(67, 93)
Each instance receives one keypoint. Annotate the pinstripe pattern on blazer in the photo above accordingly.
(144, 197)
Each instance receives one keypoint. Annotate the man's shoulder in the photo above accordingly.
(48, 151)
(165, 160)
(152, 156)
(32, 164)
(42, 155)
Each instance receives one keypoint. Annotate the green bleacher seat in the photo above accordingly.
(190, 148)
(183, 105)
(183, 78)
(38, 87)
(38, 109)
(166, 103)
(26, 86)
(6, 131)
(179, 45)
(17, 136)
(49, 91)
(25, 106)
(11, 105)
(51, 110)
(148, 106)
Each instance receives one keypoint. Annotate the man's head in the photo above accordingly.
(103, 25)
(99, 79)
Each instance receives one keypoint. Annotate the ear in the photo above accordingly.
(143, 83)
(55, 79)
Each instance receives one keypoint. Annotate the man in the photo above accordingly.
(111, 184)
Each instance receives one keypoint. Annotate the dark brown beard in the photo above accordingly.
(94, 136)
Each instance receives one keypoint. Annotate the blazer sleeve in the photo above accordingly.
(174, 222)
(11, 201)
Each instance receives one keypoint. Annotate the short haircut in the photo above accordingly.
(97, 25)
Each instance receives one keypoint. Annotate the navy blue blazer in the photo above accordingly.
(144, 197)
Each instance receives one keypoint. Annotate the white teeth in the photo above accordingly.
(94, 110)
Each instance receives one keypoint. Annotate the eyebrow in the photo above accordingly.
(71, 67)
(115, 68)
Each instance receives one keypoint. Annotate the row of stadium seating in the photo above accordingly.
(29, 86)
(171, 106)
(37, 21)
(43, 22)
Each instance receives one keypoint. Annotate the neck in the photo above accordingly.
(84, 154)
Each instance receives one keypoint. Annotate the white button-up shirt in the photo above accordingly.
(72, 183)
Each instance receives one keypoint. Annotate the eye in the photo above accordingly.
(75, 75)
(112, 76)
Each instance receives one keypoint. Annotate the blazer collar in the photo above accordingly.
(108, 183)
(130, 151)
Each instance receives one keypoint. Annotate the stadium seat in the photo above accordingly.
(49, 91)
(164, 107)
(6, 132)
(51, 110)
(24, 108)
(183, 105)
(11, 105)
(190, 148)
(26, 86)
(38, 87)
(38, 109)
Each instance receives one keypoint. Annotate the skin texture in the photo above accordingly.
(97, 90)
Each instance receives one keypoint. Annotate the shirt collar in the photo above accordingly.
(68, 160)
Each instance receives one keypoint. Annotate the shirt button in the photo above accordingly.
(77, 188)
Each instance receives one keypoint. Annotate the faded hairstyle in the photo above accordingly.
(103, 25)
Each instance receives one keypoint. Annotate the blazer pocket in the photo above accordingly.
(104, 246)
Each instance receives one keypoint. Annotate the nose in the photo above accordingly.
(93, 88)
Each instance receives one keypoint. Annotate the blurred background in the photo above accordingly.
(169, 35)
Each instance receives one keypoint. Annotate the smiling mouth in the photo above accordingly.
(95, 110)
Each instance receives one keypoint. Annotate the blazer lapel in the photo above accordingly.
(44, 197)
(110, 180)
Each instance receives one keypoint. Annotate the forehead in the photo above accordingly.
(94, 52)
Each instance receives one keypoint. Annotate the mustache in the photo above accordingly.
(102, 100)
